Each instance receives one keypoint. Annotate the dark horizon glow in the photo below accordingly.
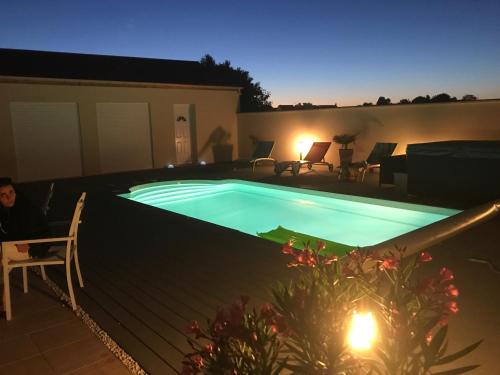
(323, 52)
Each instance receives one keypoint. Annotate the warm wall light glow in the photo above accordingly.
(303, 145)
(362, 332)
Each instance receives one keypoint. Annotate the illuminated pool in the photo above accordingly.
(253, 208)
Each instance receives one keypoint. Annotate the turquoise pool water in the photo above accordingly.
(253, 208)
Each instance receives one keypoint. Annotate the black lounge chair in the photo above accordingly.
(262, 152)
(379, 152)
(315, 156)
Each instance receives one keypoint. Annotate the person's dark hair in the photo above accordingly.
(5, 181)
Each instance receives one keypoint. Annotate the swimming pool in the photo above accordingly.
(254, 208)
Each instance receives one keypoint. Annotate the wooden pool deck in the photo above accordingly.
(149, 272)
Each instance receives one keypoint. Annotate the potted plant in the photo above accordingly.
(222, 150)
(345, 153)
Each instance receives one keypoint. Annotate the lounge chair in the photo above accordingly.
(380, 151)
(262, 152)
(315, 156)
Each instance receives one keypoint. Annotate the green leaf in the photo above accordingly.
(456, 371)
(431, 351)
(459, 354)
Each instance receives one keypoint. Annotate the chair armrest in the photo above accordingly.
(38, 240)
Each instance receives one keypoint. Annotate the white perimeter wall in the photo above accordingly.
(404, 124)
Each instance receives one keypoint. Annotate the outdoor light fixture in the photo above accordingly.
(170, 166)
(303, 146)
(203, 162)
(362, 332)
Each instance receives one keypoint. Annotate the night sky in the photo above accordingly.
(324, 52)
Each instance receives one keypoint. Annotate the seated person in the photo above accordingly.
(20, 220)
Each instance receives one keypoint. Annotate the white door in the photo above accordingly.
(124, 136)
(46, 139)
(182, 133)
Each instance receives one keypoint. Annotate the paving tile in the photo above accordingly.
(76, 355)
(61, 334)
(108, 366)
(38, 321)
(16, 349)
(36, 365)
(33, 301)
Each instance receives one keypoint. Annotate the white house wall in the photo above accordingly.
(213, 107)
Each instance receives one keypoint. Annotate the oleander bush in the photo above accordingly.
(305, 329)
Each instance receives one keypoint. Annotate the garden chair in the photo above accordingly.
(380, 151)
(262, 152)
(56, 226)
(315, 156)
(58, 255)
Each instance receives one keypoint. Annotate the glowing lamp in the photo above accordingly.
(303, 146)
(362, 332)
(170, 166)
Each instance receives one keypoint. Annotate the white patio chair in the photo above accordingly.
(58, 254)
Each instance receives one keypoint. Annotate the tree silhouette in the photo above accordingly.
(421, 99)
(253, 97)
(383, 101)
(404, 101)
(469, 97)
(443, 98)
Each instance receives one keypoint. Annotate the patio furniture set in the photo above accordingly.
(316, 156)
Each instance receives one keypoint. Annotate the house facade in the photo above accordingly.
(68, 115)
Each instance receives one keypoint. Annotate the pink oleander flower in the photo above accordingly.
(451, 291)
(452, 306)
(428, 338)
(210, 348)
(320, 245)
(194, 328)
(193, 365)
(446, 274)
(198, 361)
(287, 248)
(424, 256)
(389, 264)
(330, 259)
(218, 327)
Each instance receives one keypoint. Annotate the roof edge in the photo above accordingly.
(103, 83)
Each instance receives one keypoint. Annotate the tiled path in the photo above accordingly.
(46, 337)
